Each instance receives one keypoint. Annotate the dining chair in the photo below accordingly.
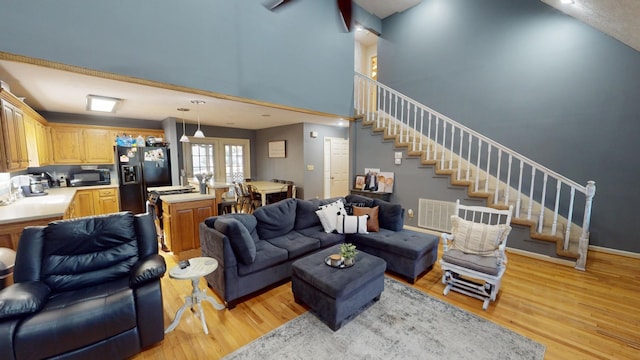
(255, 198)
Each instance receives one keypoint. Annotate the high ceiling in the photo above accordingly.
(53, 90)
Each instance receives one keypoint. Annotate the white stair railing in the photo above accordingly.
(402, 115)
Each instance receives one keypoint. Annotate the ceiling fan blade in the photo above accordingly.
(272, 4)
(346, 9)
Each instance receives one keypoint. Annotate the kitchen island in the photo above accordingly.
(181, 218)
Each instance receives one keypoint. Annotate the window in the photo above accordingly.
(226, 160)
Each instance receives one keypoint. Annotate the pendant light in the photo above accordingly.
(184, 137)
(199, 133)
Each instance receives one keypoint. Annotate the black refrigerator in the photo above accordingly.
(138, 169)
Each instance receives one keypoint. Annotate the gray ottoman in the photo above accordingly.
(334, 294)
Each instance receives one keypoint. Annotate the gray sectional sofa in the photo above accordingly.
(255, 251)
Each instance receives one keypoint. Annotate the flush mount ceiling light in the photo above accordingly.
(102, 103)
(199, 133)
(184, 137)
(567, 1)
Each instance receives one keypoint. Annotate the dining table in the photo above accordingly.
(267, 187)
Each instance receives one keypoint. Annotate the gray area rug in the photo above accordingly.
(404, 324)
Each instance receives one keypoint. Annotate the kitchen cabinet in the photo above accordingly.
(38, 142)
(93, 202)
(106, 201)
(81, 145)
(77, 144)
(181, 222)
(13, 154)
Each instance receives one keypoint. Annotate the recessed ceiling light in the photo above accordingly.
(102, 103)
(567, 1)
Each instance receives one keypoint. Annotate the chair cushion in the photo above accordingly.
(275, 219)
(349, 224)
(295, 243)
(80, 318)
(483, 264)
(88, 251)
(477, 238)
(372, 222)
(391, 216)
(241, 241)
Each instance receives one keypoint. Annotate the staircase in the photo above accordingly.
(554, 207)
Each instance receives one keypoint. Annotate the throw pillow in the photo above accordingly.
(348, 224)
(477, 238)
(391, 216)
(328, 215)
(350, 205)
(275, 219)
(372, 222)
(239, 238)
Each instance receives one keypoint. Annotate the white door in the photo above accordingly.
(336, 167)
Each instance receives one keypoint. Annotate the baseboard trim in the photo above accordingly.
(541, 257)
(614, 251)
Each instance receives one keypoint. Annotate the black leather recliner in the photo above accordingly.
(86, 288)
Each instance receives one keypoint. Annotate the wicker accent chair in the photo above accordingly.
(474, 259)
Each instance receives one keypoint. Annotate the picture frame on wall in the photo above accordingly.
(277, 149)
(358, 183)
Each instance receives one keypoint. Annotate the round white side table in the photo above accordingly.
(199, 267)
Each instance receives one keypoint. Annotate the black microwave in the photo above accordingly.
(89, 177)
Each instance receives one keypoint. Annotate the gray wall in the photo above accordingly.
(287, 168)
(231, 47)
(535, 80)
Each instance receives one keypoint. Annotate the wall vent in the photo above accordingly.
(435, 214)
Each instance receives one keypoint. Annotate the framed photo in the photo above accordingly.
(277, 149)
(358, 184)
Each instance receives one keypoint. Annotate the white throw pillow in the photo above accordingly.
(476, 238)
(329, 213)
(349, 224)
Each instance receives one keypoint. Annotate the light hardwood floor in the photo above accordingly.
(577, 315)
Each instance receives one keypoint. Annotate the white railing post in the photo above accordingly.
(429, 144)
(453, 132)
(469, 158)
(567, 233)
(395, 117)
(435, 141)
(486, 182)
(519, 198)
(533, 178)
(583, 244)
(544, 198)
(460, 155)
(421, 125)
(415, 126)
(554, 226)
(478, 165)
(508, 184)
(402, 131)
(495, 195)
(444, 143)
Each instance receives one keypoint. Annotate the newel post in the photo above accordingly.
(583, 244)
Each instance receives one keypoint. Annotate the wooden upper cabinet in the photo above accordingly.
(14, 150)
(98, 145)
(68, 145)
(43, 139)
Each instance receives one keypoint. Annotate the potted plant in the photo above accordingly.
(348, 253)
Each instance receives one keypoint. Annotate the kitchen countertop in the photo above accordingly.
(194, 196)
(53, 205)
